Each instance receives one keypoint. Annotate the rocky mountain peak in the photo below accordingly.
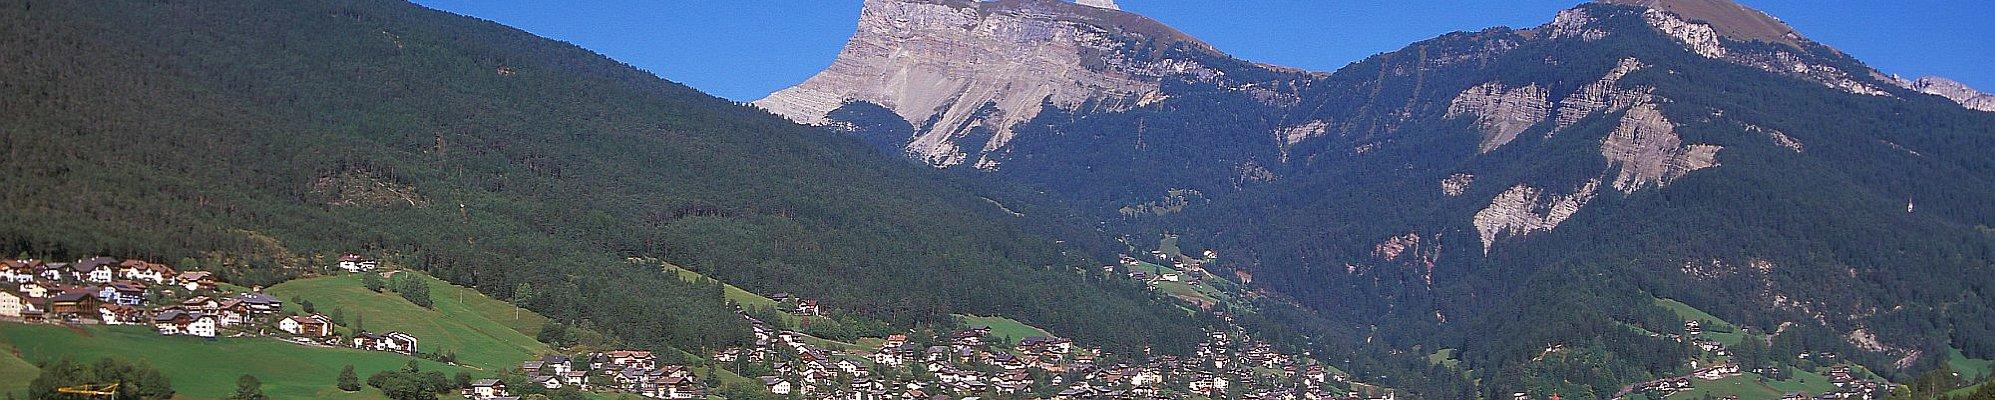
(1727, 18)
(962, 73)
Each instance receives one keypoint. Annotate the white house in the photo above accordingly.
(11, 305)
(203, 326)
(354, 263)
(137, 270)
(314, 325)
(776, 385)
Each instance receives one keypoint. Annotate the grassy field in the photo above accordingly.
(1968, 367)
(1011, 331)
(1444, 357)
(1749, 387)
(1714, 328)
(15, 373)
(483, 332)
(202, 368)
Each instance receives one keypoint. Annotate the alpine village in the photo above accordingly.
(981, 199)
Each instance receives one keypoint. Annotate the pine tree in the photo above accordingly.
(249, 388)
(348, 380)
(372, 281)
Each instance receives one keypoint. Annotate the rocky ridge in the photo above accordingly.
(964, 72)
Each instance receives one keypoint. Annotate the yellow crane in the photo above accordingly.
(94, 391)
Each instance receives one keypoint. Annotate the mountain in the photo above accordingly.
(260, 139)
(1523, 196)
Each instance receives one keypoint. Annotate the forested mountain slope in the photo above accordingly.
(1521, 195)
(260, 137)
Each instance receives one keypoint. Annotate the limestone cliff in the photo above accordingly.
(965, 72)
(1956, 91)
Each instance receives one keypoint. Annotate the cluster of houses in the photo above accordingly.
(108, 291)
(972, 363)
(1848, 386)
(103, 290)
(624, 371)
(797, 305)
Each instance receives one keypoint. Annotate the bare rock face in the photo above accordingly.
(1108, 4)
(1456, 184)
(1778, 137)
(1699, 38)
(1501, 112)
(1956, 91)
(1601, 95)
(1648, 151)
(1574, 23)
(1523, 210)
(964, 72)
(1703, 38)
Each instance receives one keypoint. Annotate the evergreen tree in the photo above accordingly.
(372, 281)
(248, 388)
(416, 291)
(348, 380)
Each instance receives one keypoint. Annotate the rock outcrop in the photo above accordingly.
(1648, 151)
(1956, 91)
(1600, 95)
(965, 72)
(1501, 112)
(1523, 210)
(1456, 184)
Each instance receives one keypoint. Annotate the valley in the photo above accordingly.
(1010, 199)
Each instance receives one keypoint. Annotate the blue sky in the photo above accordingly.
(744, 49)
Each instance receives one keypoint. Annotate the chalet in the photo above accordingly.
(1716, 373)
(632, 358)
(556, 364)
(232, 311)
(261, 304)
(807, 307)
(201, 304)
(118, 314)
(1047, 345)
(1692, 328)
(782, 297)
(125, 293)
(486, 389)
(53, 272)
(356, 263)
(33, 290)
(366, 341)
(579, 379)
(398, 342)
(776, 385)
(18, 271)
(176, 322)
(11, 305)
(671, 387)
(94, 270)
(311, 326)
(157, 274)
(73, 303)
(970, 337)
(196, 280)
(547, 381)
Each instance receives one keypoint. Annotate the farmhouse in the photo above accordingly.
(94, 270)
(356, 263)
(158, 274)
(312, 326)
